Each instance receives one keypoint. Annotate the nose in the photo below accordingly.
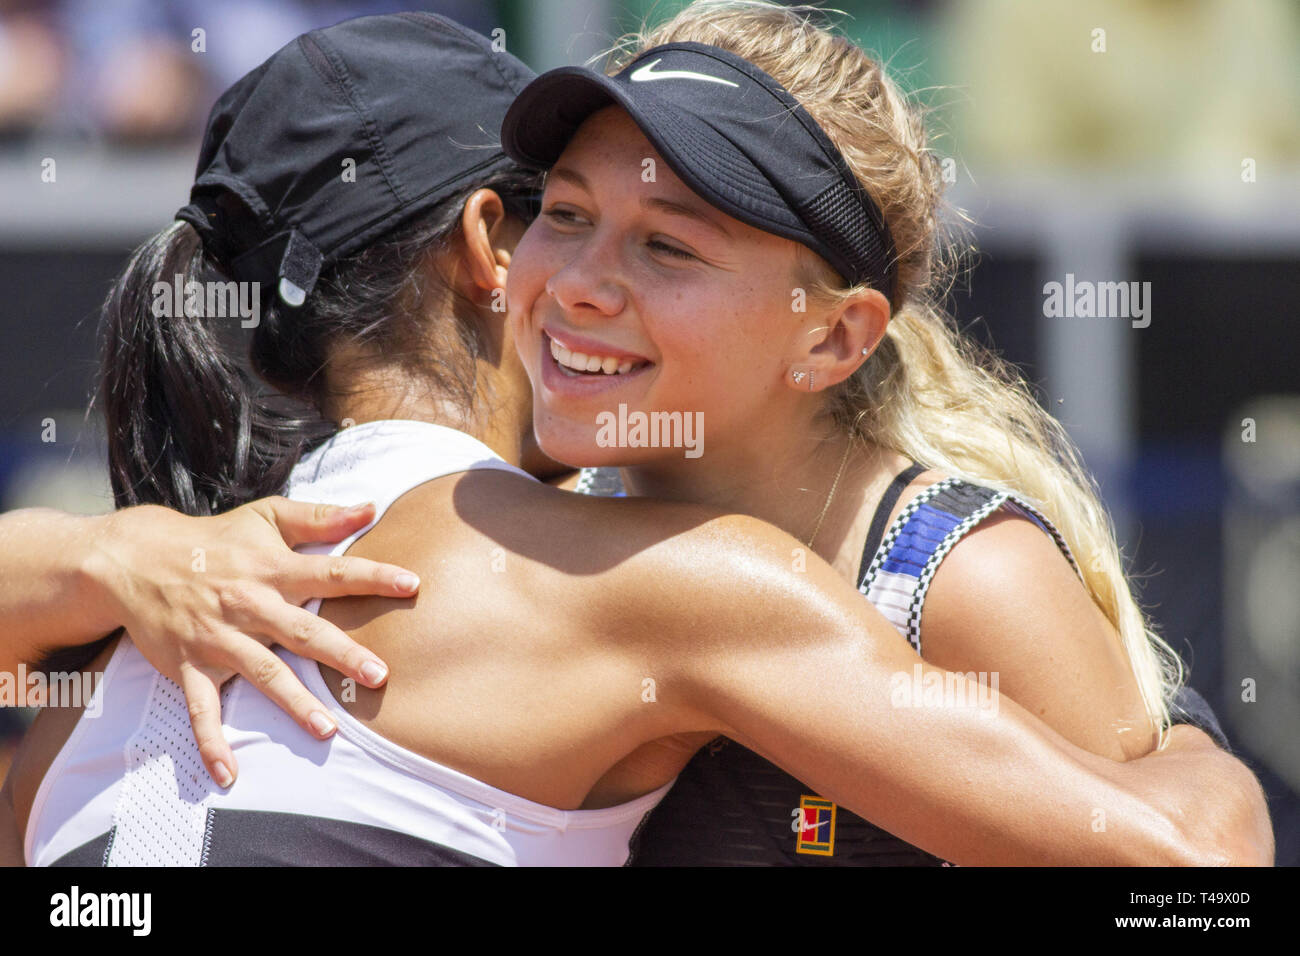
(588, 283)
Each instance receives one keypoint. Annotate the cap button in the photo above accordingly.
(291, 294)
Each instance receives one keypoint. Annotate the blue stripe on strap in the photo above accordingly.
(918, 539)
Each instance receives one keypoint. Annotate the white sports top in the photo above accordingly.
(128, 788)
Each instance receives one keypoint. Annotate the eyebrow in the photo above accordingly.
(649, 202)
(689, 212)
(571, 175)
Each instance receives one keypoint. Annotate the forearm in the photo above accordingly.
(975, 786)
(798, 667)
(1033, 797)
(822, 685)
(51, 566)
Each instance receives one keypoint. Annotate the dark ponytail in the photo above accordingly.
(191, 427)
(187, 427)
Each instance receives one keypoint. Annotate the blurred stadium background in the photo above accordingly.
(1170, 157)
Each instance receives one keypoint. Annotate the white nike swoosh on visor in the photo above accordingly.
(647, 73)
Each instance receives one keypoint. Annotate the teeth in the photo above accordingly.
(582, 362)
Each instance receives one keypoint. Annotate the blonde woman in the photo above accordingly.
(785, 291)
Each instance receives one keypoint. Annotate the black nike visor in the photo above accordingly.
(734, 135)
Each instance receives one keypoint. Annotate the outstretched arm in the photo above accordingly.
(49, 599)
(798, 667)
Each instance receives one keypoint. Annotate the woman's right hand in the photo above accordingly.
(205, 598)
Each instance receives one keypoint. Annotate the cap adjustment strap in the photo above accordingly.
(288, 258)
(299, 269)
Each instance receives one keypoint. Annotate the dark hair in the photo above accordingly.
(190, 427)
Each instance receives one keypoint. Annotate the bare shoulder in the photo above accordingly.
(1008, 563)
(660, 569)
(533, 524)
(667, 578)
(1006, 601)
(588, 535)
(616, 565)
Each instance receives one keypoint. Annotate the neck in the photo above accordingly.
(384, 395)
(786, 482)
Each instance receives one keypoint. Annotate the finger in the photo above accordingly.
(276, 680)
(308, 635)
(303, 522)
(203, 700)
(325, 576)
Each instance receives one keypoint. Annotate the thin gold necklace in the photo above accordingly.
(831, 497)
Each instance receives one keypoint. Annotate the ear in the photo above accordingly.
(489, 235)
(838, 342)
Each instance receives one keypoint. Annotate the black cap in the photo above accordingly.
(413, 99)
(733, 134)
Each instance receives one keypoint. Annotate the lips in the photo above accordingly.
(577, 365)
(591, 348)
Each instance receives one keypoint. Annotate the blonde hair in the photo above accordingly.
(928, 391)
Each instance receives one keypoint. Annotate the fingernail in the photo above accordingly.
(406, 581)
(222, 773)
(320, 723)
(372, 672)
(357, 509)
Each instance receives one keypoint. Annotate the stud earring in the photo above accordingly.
(802, 375)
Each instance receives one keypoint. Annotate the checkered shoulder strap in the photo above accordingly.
(902, 568)
(601, 482)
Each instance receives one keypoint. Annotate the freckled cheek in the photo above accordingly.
(697, 343)
(526, 279)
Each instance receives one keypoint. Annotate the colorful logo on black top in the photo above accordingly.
(814, 826)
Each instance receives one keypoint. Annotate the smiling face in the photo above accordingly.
(668, 303)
